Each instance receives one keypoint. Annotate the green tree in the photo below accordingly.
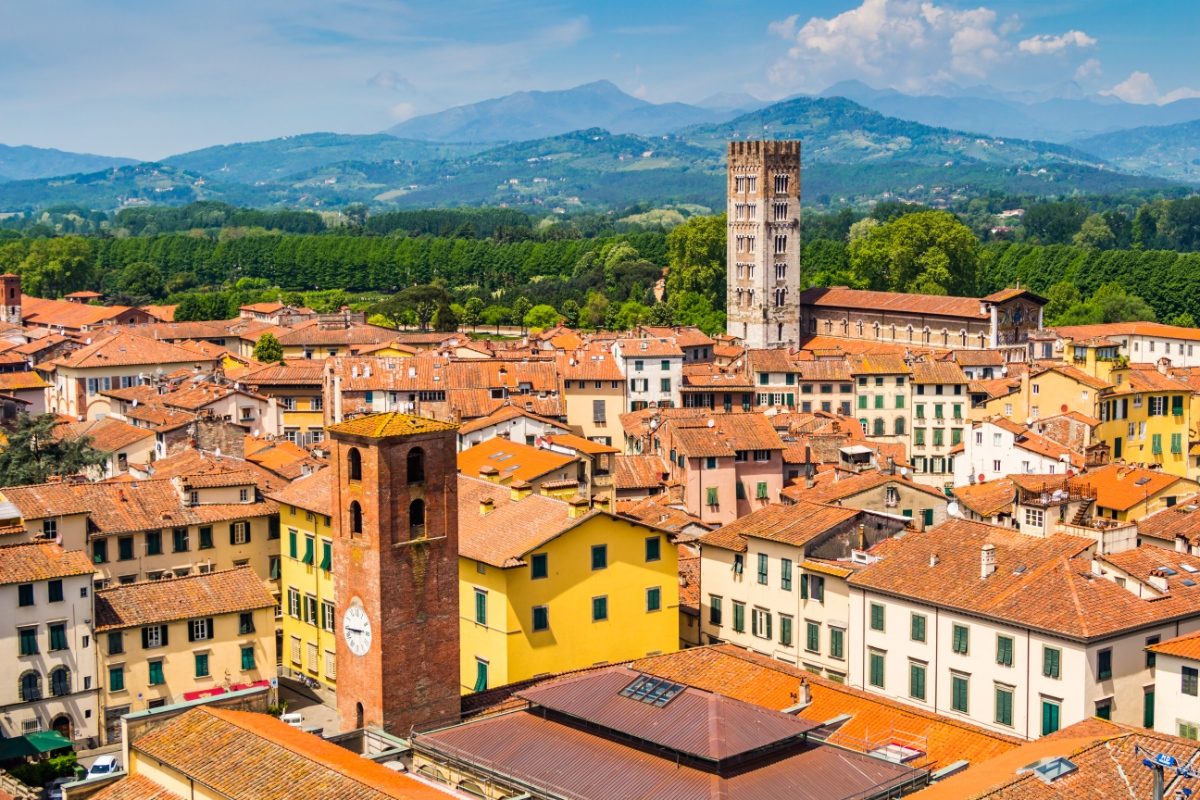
(1095, 234)
(1054, 223)
(570, 312)
(1110, 303)
(472, 312)
(540, 316)
(595, 311)
(1061, 296)
(928, 251)
(693, 308)
(444, 319)
(630, 314)
(420, 302)
(267, 349)
(57, 266)
(496, 315)
(520, 308)
(36, 451)
(662, 315)
(1183, 319)
(696, 257)
(139, 283)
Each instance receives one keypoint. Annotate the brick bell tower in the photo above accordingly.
(395, 569)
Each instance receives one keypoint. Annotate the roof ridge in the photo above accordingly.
(173, 579)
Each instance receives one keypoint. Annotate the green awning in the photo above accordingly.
(33, 744)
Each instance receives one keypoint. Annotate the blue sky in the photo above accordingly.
(147, 79)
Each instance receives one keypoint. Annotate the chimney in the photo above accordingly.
(987, 561)
(489, 473)
(485, 506)
(577, 506)
(601, 502)
(1159, 582)
(862, 536)
(519, 490)
(805, 694)
(933, 559)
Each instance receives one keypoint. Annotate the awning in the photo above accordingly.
(33, 744)
(217, 691)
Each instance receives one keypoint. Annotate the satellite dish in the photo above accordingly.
(981, 477)
(952, 509)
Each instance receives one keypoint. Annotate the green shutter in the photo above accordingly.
(248, 658)
(712, 495)
(1004, 651)
(1177, 405)
(309, 547)
(1004, 703)
(836, 640)
(481, 607)
(804, 586)
(916, 681)
(958, 700)
(877, 670)
(740, 490)
(813, 640)
(1156, 444)
(1176, 443)
(761, 492)
(481, 675)
(918, 628)
(862, 401)
(739, 617)
(1049, 717)
(1050, 657)
(876, 617)
(1148, 708)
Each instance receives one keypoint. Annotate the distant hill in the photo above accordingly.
(274, 159)
(1055, 119)
(530, 115)
(25, 162)
(851, 154)
(1169, 150)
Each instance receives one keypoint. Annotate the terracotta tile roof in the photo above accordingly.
(1154, 329)
(503, 413)
(1075, 374)
(969, 308)
(710, 376)
(684, 337)
(1144, 378)
(1034, 442)
(1108, 759)
(512, 460)
(65, 314)
(108, 435)
(1123, 487)
(1055, 591)
(41, 500)
(874, 720)
(1181, 519)
(164, 313)
(833, 486)
(1186, 646)
(135, 787)
(245, 756)
(943, 372)
(311, 492)
(649, 348)
(592, 364)
(729, 433)
(796, 524)
(661, 511)
(978, 358)
(290, 372)
(314, 334)
(1012, 293)
(638, 471)
(150, 602)
(1146, 561)
(389, 425)
(17, 381)
(126, 350)
(190, 462)
(879, 364)
(225, 478)
(504, 535)
(643, 422)
(775, 359)
(993, 388)
(286, 459)
(41, 561)
(580, 444)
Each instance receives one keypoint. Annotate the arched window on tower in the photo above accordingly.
(416, 465)
(356, 523)
(354, 464)
(416, 519)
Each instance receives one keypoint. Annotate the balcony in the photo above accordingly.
(1054, 493)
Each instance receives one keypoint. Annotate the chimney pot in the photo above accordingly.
(987, 560)
(933, 559)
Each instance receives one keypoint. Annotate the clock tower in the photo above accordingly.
(395, 570)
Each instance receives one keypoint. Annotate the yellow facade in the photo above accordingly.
(1148, 428)
(309, 638)
(302, 411)
(1046, 394)
(1097, 359)
(239, 648)
(499, 644)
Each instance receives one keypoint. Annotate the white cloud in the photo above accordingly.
(1139, 87)
(403, 111)
(1088, 69)
(912, 45)
(391, 80)
(1045, 44)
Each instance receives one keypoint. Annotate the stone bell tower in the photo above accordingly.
(763, 243)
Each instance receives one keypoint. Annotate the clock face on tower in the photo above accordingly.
(356, 627)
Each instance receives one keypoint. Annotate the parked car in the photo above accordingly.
(104, 765)
(295, 719)
(54, 790)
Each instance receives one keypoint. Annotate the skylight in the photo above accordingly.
(653, 691)
(1052, 769)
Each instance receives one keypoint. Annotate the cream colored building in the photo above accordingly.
(162, 642)
(1015, 633)
(774, 582)
(593, 394)
(1176, 690)
(51, 679)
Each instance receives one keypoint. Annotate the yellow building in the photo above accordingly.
(298, 388)
(1044, 391)
(1095, 355)
(1127, 494)
(166, 641)
(547, 586)
(1144, 419)
(309, 643)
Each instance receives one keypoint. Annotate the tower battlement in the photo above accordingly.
(758, 147)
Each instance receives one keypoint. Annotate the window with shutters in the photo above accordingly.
(58, 636)
(1051, 710)
(200, 629)
(785, 574)
(179, 539)
(599, 609)
(28, 641)
(326, 555)
(785, 630)
(327, 616)
(876, 668)
(310, 544)
(313, 652)
(916, 680)
(310, 609)
(760, 492)
(917, 628)
(1104, 664)
(156, 673)
(481, 616)
(1189, 678)
(330, 665)
(541, 618)
(481, 674)
(295, 650)
(116, 678)
(760, 623)
(763, 567)
(714, 610)
(206, 537)
(293, 603)
(247, 654)
(1004, 705)
(201, 661)
(960, 639)
(837, 643)
(239, 533)
(1051, 662)
(959, 688)
(876, 617)
(812, 637)
(1004, 651)
(816, 588)
(739, 617)
(154, 636)
(599, 556)
(711, 496)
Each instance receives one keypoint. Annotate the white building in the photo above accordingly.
(1015, 633)
(653, 370)
(996, 447)
(1142, 342)
(1176, 690)
(51, 662)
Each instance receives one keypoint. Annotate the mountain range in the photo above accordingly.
(596, 147)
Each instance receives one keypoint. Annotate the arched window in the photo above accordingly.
(416, 465)
(899, 426)
(60, 682)
(31, 686)
(416, 518)
(354, 464)
(865, 425)
(356, 527)
(963, 335)
(359, 716)
(471, 788)
(880, 428)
